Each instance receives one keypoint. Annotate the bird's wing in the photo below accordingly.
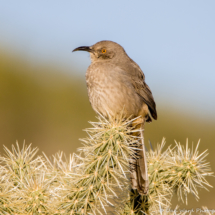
(138, 81)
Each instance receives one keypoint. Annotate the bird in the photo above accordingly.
(115, 83)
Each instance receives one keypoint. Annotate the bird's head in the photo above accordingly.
(103, 51)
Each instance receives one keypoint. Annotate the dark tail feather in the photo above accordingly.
(139, 173)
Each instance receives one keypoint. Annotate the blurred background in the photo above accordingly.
(43, 95)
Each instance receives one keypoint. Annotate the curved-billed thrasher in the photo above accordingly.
(115, 83)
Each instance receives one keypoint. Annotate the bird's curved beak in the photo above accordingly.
(83, 48)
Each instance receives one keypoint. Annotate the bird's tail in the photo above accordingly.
(139, 173)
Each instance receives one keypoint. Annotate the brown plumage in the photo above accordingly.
(116, 83)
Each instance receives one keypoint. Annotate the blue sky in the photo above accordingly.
(172, 41)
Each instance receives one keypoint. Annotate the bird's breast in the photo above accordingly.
(111, 92)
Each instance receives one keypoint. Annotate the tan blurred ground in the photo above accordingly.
(45, 106)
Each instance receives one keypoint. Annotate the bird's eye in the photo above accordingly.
(103, 51)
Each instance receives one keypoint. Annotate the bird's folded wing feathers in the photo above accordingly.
(144, 91)
(138, 81)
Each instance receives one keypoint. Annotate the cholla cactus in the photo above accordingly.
(97, 179)
(160, 193)
(187, 170)
(104, 168)
(35, 195)
(177, 168)
(20, 163)
(8, 197)
(25, 180)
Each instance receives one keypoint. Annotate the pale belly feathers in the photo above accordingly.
(110, 93)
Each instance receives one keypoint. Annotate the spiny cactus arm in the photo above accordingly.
(105, 167)
(188, 169)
